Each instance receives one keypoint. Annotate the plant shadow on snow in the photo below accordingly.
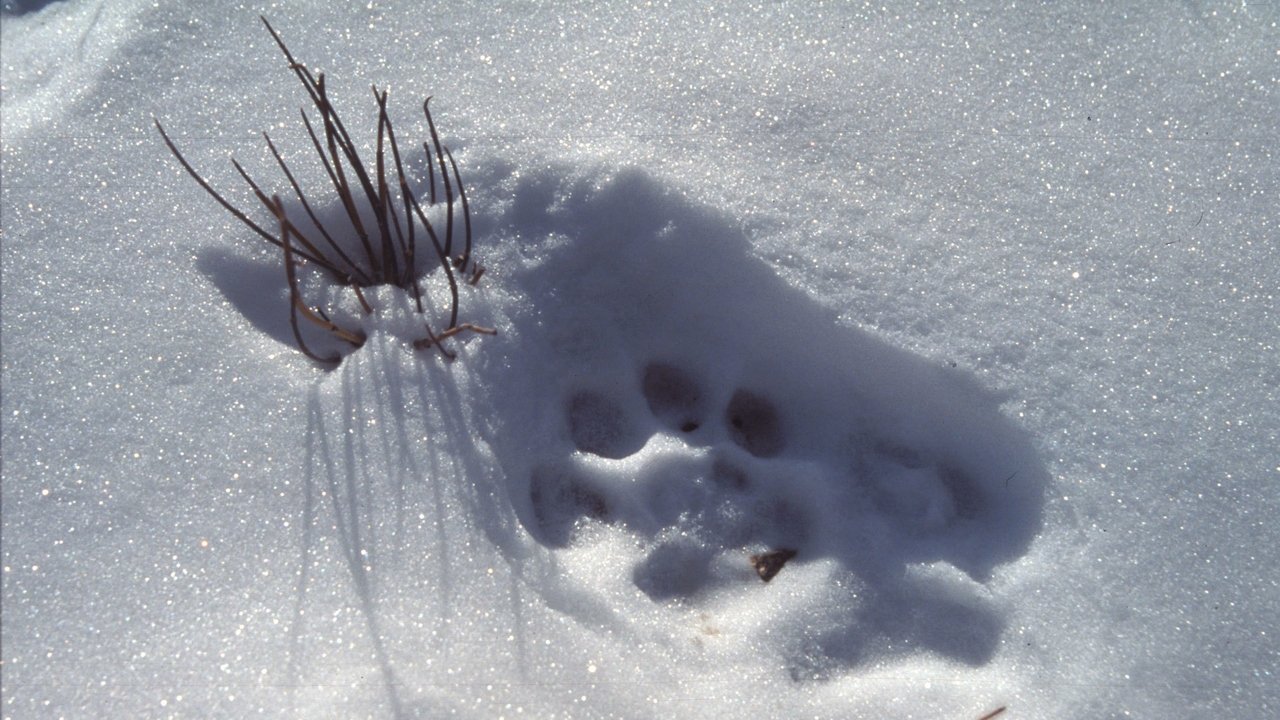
(392, 483)
(257, 289)
(661, 382)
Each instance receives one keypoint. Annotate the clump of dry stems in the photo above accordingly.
(385, 214)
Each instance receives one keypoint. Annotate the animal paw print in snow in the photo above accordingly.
(692, 482)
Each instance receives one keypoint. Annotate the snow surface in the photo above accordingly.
(973, 307)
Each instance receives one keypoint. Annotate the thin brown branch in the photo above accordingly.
(382, 199)
(354, 274)
(316, 316)
(339, 139)
(311, 250)
(341, 186)
(444, 177)
(444, 262)
(409, 244)
(433, 339)
(368, 309)
(304, 75)
(216, 196)
(389, 220)
(466, 215)
(295, 295)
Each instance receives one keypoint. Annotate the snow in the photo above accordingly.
(972, 307)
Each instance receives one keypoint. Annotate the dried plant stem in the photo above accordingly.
(468, 327)
(385, 227)
(295, 296)
(223, 201)
(357, 275)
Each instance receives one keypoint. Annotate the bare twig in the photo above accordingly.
(216, 196)
(464, 327)
(384, 226)
(444, 178)
(294, 293)
(465, 257)
(356, 275)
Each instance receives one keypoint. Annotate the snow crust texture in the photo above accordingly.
(853, 360)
